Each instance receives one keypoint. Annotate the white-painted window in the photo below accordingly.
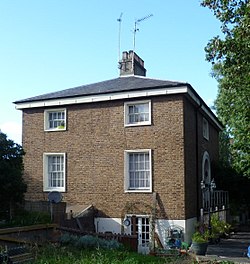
(205, 129)
(137, 113)
(55, 120)
(54, 172)
(138, 171)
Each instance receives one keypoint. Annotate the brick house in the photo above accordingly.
(133, 147)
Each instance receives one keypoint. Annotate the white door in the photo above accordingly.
(142, 229)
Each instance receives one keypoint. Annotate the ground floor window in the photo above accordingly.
(54, 172)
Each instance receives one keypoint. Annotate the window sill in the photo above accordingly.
(55, 129)
(138, 124)
(54, 189)
(138, 191)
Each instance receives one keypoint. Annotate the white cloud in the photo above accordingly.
(13, 130)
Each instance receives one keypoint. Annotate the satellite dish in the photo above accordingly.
(55, 197)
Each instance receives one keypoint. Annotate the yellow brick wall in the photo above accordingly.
(94, 143)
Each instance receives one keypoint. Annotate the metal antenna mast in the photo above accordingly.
(137, 29)
(137, 21)
(119, 36)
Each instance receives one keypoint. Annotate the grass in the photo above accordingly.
(52, 254)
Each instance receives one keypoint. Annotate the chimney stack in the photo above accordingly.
(131, 64)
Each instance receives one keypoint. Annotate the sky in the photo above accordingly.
(51, 45)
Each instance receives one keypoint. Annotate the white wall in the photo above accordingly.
(162, 226)
(108, 225)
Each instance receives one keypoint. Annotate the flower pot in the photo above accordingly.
(199, 248)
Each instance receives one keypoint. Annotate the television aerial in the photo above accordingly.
(136, 29)
(119, 36)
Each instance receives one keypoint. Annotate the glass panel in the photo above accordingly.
(131, 109)
(138, 113)
(139, 172)
(56, 119)
(137, 109)
(146, 108)
(55, 171)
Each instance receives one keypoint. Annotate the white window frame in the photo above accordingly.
(46, 187)
(126, 171)
(46, 119)
(205, 127)
(126, 113)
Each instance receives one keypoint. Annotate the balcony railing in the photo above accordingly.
(216, 200)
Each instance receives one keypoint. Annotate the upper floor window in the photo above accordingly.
(55, 119)
(54, 172)
(137, 113)
(205, 129)
(138, 172)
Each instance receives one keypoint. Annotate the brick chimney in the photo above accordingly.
(128, 68)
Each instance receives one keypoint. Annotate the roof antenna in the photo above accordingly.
(137, 21)
(119, 36)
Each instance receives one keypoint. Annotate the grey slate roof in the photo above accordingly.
(121, 84)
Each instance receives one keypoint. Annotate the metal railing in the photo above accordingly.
(216, 200)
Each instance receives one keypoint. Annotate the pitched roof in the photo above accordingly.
(119, 88)
(121, 84)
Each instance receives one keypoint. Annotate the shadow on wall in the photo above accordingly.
(162, 212)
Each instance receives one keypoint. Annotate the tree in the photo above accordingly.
(12, 186)
(230, 57)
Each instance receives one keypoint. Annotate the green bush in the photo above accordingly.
(89, 241)
(25, 218)
(219, 227)
(199, 237)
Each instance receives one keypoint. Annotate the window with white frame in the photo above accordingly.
(138, 171)
(137, 113)
(205, 129)
(55, 119)
(54, 172)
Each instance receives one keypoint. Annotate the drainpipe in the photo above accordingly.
(197, 157)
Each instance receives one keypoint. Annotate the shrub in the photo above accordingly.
(199, 237)
(219, 227)
(25, 218)
(89, 241)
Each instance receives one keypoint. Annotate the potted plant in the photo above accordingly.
(61, 126)
(200, 241)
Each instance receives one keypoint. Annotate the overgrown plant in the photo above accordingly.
(220, 228)
(25, 218)
(201, 237)
(89, 242)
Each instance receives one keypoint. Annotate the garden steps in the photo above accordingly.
(16, 255)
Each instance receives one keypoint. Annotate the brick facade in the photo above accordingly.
(95, 141)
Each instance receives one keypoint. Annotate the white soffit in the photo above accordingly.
(117, 96)
(101, 97)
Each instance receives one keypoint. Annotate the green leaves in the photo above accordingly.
(230, 57)
(12, 186)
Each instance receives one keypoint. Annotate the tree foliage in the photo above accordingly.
(230, 57)
(12, 186)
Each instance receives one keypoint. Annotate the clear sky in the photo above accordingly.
(50, 45)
